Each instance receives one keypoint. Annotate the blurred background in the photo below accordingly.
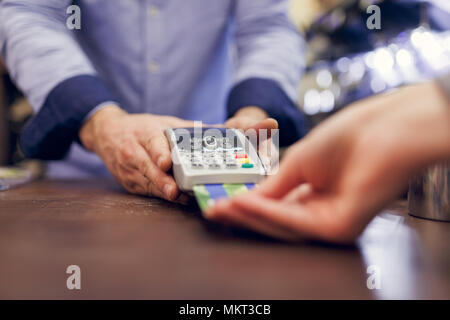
(345, 60)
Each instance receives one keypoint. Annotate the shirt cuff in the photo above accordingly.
(98, 108)
(268, 95)
(50, 133)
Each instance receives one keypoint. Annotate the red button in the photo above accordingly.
(241, 156)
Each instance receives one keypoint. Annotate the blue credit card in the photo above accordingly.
(207, 194)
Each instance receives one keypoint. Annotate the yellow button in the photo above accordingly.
(242, 161)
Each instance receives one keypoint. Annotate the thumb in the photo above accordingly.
(268, 124)
(158, 149)
(289, 176)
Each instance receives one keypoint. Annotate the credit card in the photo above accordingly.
(207, 194)
(11, 177)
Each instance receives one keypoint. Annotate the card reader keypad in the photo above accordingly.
(205, 155)
(215, 154)
(216, 159)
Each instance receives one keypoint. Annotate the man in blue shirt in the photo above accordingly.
(104, 93)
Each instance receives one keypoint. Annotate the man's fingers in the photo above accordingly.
(238, 123)
(162, 182)
(268, 124)
(156, 191)
(269, 155)
(224, 212)
(157, 147)
(245, 123)
(133, 181)
(159, 183)
(175, 122)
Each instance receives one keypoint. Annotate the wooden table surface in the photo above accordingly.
(136, 247)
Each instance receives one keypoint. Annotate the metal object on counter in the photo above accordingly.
(429, 194)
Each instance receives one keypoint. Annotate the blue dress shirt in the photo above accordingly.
(195, 59)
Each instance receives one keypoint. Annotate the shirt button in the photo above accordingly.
(153, 67)
(153, 11)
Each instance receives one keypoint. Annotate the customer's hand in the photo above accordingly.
(332, 183)
(135, 150)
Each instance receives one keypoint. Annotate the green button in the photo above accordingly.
(247, 165)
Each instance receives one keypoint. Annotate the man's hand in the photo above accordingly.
(332, 183)
(251, 118)
(135, 150)
(254, 118)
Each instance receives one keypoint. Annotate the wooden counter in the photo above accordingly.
(136, 247)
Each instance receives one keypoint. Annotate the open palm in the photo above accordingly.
(332, 183)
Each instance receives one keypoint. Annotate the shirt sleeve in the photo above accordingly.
(48, 65)
(270, 62)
